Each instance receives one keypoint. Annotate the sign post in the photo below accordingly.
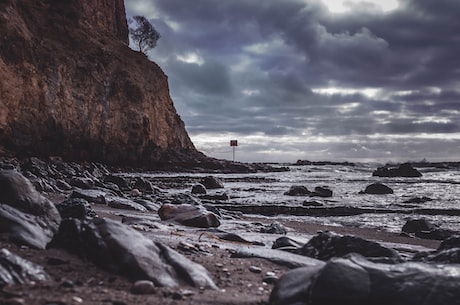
(234, 144)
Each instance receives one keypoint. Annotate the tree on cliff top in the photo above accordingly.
(143, 34)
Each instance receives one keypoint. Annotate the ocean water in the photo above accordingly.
(346, 181)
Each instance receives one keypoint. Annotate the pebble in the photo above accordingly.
(255, 269)
(270, 279)
(143, 287)
(77, 300)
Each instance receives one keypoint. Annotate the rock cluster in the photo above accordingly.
(403, 170)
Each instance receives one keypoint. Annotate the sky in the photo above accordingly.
(313, 79)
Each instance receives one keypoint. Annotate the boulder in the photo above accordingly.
(447, 252)
(75, 208)
(377, 189)
(355, 280)
(288, 244)
(26, 217)
(423, 228)
(120, 249)
(210, 183)
(327, 245)
(16, 270)
(145, 186)
(199, 189)
(298, 190)
(321, 191)
(189, 215)
(403, 170)
(122, 183)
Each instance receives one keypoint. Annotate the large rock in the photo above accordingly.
(377, 189)
(423, 228)
(72, 87)
(403, 170)
(189, 215)
(16, 270)
(355, 280)
(297, 190)
(447, 252)
(211, 182)
(25, 215)
(327, 245)
(122, 250)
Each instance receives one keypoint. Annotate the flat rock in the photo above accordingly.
(122, 250)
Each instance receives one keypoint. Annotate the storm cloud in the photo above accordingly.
(292, 80)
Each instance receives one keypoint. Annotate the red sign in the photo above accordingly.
(233, 142)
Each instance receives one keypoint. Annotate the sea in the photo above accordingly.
(439, 189)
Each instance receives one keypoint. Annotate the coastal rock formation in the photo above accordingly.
(189, 215)
(16, 270)
(71, 87)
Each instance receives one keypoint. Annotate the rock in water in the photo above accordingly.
(297, 190)
(403, 170)
(121, 249)
(355, 280)
(25, 215)
(189, 215)
(211, 183)
(16, 270)
(378, 189)
(423, 228)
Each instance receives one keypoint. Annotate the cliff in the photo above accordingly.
(71, 87)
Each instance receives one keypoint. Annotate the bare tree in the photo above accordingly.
(143, 34)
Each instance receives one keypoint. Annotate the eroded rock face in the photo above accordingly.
(16, 270)
(71, 87)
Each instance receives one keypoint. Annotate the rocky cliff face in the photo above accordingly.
(71, 87)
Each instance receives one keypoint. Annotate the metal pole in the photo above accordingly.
(234, 153)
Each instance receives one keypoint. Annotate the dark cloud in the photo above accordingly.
(254, 70)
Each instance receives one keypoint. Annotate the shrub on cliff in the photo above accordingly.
(143, 34)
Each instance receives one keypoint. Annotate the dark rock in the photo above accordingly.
(321, 192)
(286, 243)
(145, 186)
(149, 205)
(122, 183)
(231, 237)
(423, 228)
(298, 190)
(189, 215)
(82, 182)
(404, 170)
(210, 183)
(75, 208)
(199, 189)
(25, 215)
(447, 252)
(274, 228)
(16, 270)
(378, 189)
(217, 197)
(92, 196)
(124, 204)
(327, 245)
(312, 204)
(143, 287)
(62, 185)
(355, 280)
(121, 249)
(418, 200)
